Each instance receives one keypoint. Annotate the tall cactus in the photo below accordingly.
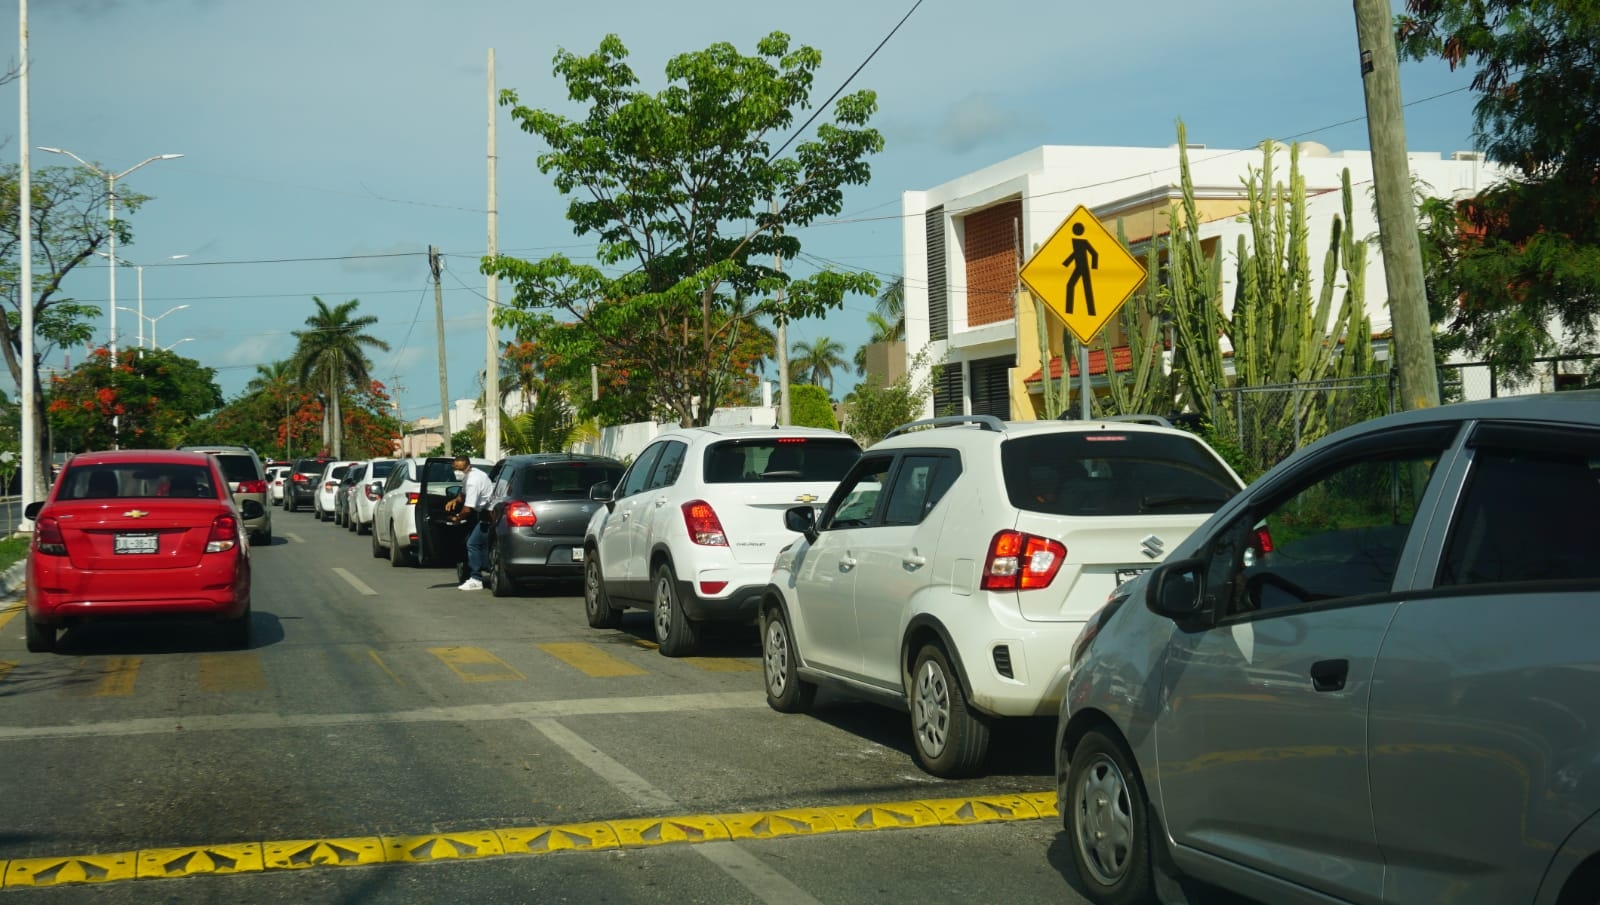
(1196, 299)
(1143, 388)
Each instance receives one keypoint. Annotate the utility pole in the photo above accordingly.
(438, 320)
(1412, 347)
(491, 371)
(783, 342)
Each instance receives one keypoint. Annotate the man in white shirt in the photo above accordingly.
(476, 490)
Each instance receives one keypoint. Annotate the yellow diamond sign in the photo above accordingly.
(1083, 274)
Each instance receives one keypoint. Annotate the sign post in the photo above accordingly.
(1082, 260)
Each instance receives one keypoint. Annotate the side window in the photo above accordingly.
(1339, 534)
(1526, 516)
(859, 494)
(918, 486)
(671, 465)
(634, 481)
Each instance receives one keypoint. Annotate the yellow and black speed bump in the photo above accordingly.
(302, 854)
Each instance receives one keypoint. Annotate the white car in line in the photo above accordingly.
(416, 486)
(327, 486)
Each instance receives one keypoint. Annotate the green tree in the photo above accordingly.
(685, 191)
(875, 408)
(331, 355)
(1529, 252)
(144, 401)
(809, 406)
(69, 226)
(816, 360)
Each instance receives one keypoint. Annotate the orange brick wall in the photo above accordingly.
(990, 244)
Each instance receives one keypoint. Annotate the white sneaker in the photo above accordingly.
(471, 584)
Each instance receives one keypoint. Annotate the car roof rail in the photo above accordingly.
(1157, 420)
(987, 422)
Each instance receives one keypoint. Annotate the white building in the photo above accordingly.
(963, 244)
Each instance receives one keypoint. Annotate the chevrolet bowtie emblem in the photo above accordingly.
(135, 513)
(806, 498)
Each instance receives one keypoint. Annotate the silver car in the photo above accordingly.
(1372, 677)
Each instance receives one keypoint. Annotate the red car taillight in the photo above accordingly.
(520, 515)
(372, 492)
(252, 486)
(298, 478)
(47, 538)
(411, 499)
(224, 534)
(705, 528)
(1021, 562)
(1263, 540)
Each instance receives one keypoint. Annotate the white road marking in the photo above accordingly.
(290, 535)
(468, 713)
(355, 582)
(751, 872)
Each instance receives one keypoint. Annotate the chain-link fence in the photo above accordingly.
(1269, 422)
(1482, 380)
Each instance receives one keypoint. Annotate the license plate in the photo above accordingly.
(577, 554)
(1127, 574)
(137, 543)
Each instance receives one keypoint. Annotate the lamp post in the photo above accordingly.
(153, 321)
(139, 270)
(111, 222)
(186, 339)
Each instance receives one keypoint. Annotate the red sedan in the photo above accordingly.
(137, 533)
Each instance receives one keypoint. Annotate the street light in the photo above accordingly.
(152, 320)
(139, 269)
(186, 339)
(111, 222)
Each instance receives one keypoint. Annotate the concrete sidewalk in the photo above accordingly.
(11, 579)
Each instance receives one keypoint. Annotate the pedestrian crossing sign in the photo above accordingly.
(1083, 274)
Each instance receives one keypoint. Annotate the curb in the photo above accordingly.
(11, 580)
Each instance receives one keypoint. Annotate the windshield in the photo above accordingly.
(1113, 473)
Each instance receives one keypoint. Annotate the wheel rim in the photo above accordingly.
(591, 587)
(932, 709)
(663, 608)
(1105, 821)
(776, 658)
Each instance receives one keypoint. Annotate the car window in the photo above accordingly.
(381, 469)
(566, 480)
(670, 466)
(918, 486)
(440, 472)
(125, 481)
(237, 468)
(858, 495)
(808, 459)
(1526, 515)
(634, 481)
(1113, 473)
(1338, 534)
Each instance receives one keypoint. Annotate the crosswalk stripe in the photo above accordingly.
(591, 660)
(721, 664)
(223, 673)
(6, 666)
(117, 678)
(474, 664)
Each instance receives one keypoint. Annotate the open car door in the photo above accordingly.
(441, 538)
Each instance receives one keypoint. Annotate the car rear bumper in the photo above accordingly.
(1015, 667)
(730, 604)
(535, 556)
(207, 592)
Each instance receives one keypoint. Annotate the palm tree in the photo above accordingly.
(883, 331)
(331, 354)
(817, 359)
(892, 307)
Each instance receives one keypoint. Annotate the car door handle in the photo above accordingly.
(914, 562)
(661, 501)
(1329, 675)
(846, 564)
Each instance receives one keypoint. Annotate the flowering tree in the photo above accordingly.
(146, 401)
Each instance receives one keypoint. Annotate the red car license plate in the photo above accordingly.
(137, 543)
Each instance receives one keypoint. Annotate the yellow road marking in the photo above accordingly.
(384, 666)
(223, 673)
(474, 664)
(590, 660)
(722, 664)
(10, 613)
(300, 854)
(117, 678)
(6, 666)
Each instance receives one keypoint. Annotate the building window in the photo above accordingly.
(938, 279)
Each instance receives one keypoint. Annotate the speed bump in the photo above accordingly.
(1045, 801)
(769, 824)
(79, 869)
(441, 846)
(581, 837)
(211, 859)
(883, 816)
(962, 811)
(662, 830)
(297, 854)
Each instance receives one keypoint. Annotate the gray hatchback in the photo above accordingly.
(1371, 677)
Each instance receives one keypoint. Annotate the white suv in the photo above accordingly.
(692, 528)
(952, 568)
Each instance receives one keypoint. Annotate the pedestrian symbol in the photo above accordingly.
(1080, 257)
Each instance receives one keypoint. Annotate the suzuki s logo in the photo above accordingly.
(806, 498)
(135, 513)
(1153, 546)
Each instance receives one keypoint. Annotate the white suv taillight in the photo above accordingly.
(1021, 562)
(705, 528)
(224, 534)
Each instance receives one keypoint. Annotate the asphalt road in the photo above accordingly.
(388, 738)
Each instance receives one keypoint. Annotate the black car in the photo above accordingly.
(538, 515)
(300, 487)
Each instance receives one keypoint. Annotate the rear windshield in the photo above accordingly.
(567, 480)
(780, 459)
(1113, 473)
(237, 468)
(445, 472)
(380, 469)
(103, 482)
(338, 471)
(311, 466)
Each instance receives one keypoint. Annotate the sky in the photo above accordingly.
(328, 143)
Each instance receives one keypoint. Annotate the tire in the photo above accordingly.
(288, 502)
(236, 632)
(263, 537)
(41, 637)
(397, 553)
(676, 633)
(1107, 819)
(950, 739)
(500, 584)
(378, 552)
(596, 602)
(363, 528)
(786, 691)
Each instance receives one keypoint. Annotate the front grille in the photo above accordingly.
(1002, 661)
